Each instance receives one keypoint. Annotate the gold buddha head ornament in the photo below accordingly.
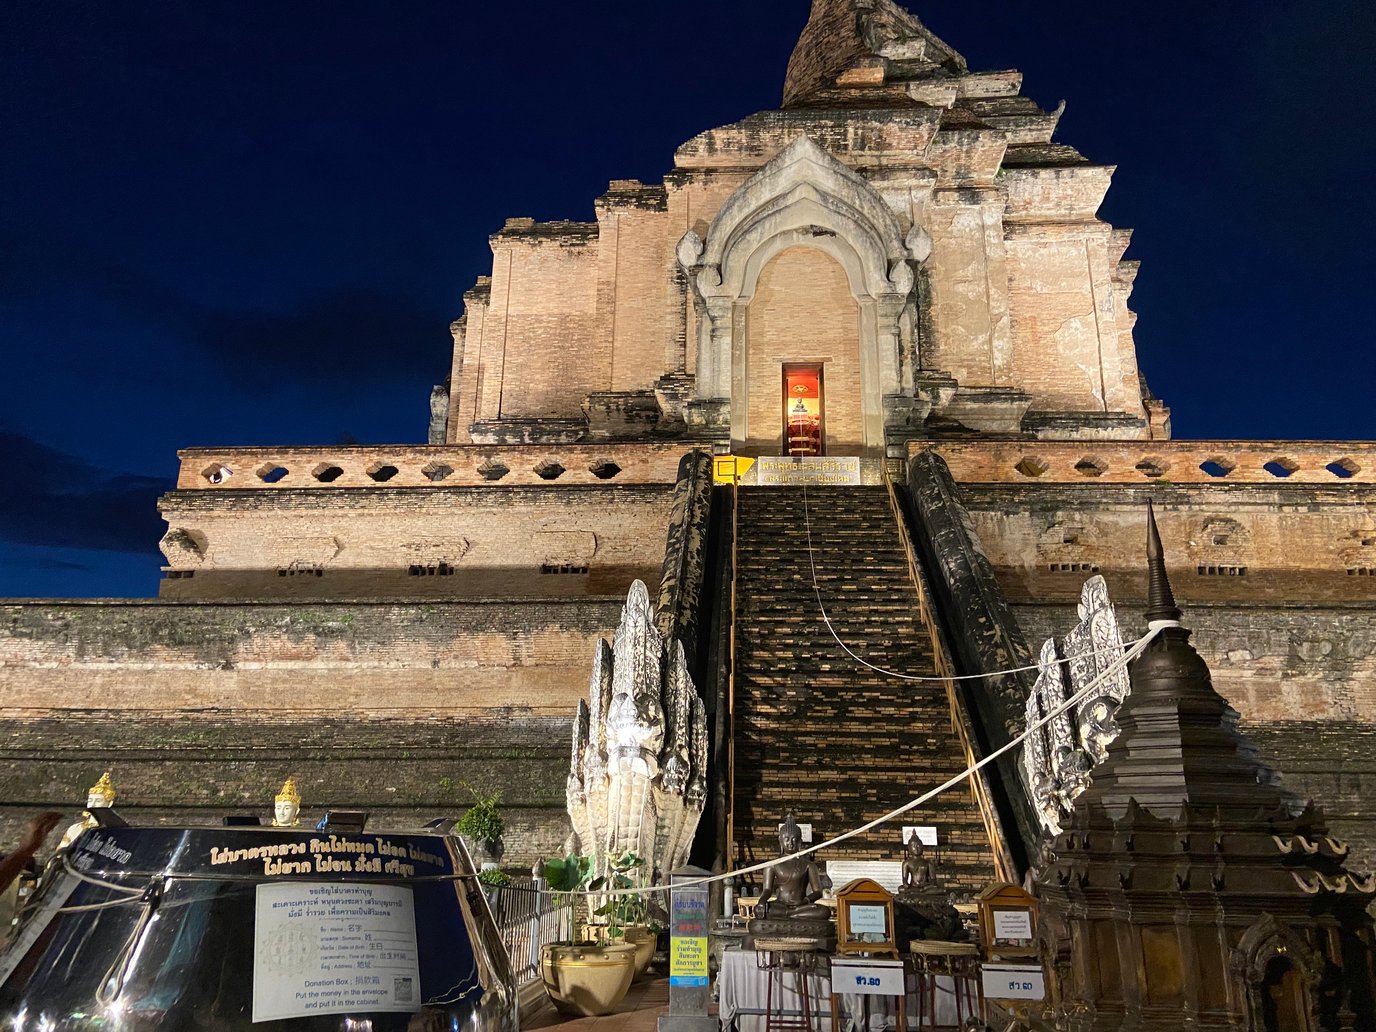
(286, 807)
(102, 793)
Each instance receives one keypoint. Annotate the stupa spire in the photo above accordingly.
(1160, 598)
(850, 44)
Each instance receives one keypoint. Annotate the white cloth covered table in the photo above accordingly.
(742, 988)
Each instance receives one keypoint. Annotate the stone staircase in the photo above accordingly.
(816, 733)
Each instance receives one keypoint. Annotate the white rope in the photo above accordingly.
(1074, 700)
(817, 591)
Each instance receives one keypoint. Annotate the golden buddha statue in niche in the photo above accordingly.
(286, 807)
(101, 794)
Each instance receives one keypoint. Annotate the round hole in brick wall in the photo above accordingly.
(1281, 467)
(327, 473)
(1030, 467)
(1091, 467)
(1343, 469)
(1151, 468)
(1217, 466)
(216, 473)
(270, 473)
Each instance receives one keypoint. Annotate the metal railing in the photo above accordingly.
(528, 918)
(1003, 861)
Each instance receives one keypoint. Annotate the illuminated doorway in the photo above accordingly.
(804, 417)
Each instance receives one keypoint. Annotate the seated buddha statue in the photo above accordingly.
(102, 793)
(793, 886)
(922, 907)
(919, 878)
(788, 904)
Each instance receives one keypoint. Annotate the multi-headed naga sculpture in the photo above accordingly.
(638, 777)
(1059, 757)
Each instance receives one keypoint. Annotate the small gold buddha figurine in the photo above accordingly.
(101, 794)
(286, 807)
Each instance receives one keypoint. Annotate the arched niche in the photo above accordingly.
(803, 197)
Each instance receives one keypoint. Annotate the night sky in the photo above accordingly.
(251, 223)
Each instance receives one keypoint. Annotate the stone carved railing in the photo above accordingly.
(1274, 463)
(638, 776)
(423, 466)
(1059, 758)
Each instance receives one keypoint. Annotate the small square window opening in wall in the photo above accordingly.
(558, 569)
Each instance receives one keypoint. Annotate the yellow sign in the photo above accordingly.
(687, 960)
(728, 469)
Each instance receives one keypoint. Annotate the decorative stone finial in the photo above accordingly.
(1160, 599)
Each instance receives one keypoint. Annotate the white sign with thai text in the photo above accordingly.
(867, 920)
(1012, 924)
(867, 978)
(1014, 982)
(334, 947)
(926, 835)
(821, 471)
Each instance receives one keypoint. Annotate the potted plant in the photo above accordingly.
(483, 824)
(493, 879)
(585, 979)
(627, 917)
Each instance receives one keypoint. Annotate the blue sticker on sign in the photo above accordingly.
(693, 980)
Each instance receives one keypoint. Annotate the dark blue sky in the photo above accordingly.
(251, 223)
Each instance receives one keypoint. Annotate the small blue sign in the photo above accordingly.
(693, 980)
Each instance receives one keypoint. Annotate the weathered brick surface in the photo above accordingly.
(412, 543)
(816, 734)
(353, 659)
(804, 312)
(1333, 763)
(1272, 663)
(195, 767)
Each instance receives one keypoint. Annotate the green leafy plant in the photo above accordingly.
(566, 875)
(622, 911)
(494, 877)
(483, 822)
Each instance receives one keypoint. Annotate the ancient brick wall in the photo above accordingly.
(1276, 522)
(201, 709)
(803, 311)
(403, 543)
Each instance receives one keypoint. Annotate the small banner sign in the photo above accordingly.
(1014, 982)
(867, 977)
(784, 471)
(688, 935)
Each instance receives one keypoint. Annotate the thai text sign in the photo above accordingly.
(782, 470)
(867, 977)
(330, 948)
(1014, 982)
(688, 936)
(1013, 925)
